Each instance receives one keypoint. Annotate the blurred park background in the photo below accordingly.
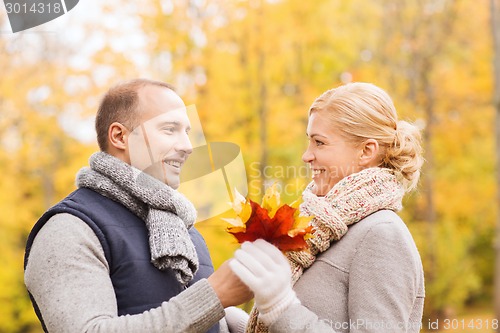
(252, 68)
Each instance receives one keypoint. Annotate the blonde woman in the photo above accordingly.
(363, 272)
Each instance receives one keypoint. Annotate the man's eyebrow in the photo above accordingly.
(173, 122)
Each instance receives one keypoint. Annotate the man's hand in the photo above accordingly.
(228, 287)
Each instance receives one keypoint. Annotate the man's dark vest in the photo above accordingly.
(139, 285)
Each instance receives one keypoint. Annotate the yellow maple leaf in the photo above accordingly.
(243, 210)
(279, 224)
(301, 223)
(271, 200)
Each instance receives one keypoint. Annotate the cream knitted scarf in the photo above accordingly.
(167, 214)
(349, 201)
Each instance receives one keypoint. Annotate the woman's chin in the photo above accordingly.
(319, 189)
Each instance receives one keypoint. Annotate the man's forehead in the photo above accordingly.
(157, 101)
(177, 117)
(179, 114)
(152, 94)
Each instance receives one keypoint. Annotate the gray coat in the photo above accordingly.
(370, 281)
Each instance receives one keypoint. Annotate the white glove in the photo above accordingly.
(236, 319)
(264, 269)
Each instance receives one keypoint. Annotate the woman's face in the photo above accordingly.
(329, 155)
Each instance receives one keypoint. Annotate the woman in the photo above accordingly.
(362, 272)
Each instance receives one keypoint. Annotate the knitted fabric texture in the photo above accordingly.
(168, 215)
(353, 198)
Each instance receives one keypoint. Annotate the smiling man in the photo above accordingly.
(120, 254)
(160, 144)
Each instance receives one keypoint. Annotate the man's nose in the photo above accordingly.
(184, 144)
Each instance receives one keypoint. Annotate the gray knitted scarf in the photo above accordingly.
(167, 214)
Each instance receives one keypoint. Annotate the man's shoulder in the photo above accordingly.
(62, 232)
(63, 226)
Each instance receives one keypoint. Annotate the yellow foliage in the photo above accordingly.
(253, 68)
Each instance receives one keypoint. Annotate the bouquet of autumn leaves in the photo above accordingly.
(277, 223)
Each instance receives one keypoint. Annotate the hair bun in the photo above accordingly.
(404, 156)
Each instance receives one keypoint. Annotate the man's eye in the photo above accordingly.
(168, 130)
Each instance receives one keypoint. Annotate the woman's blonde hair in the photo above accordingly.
(362, 111)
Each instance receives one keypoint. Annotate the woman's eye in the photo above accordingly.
(319, 143)
(168, 130)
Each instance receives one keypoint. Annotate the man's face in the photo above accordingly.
(159, 145)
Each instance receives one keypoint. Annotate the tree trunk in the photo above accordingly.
(495, 26)
(262, 109)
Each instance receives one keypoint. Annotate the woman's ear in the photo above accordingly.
(370, 153)
(117, 136)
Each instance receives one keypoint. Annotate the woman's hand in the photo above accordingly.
(264, 269)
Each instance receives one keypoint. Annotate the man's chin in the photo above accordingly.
(173, 184)
(157, 171)
(171, 180)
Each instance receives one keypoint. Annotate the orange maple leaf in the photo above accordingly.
(280, 225)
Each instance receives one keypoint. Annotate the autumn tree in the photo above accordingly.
(420, 54)
(495, 28)
(48, 96)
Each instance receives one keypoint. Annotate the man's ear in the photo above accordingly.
(369, 154)
(117, 136)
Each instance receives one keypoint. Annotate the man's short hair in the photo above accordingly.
(121, 104)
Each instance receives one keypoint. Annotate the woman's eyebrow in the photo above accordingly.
(316, 134)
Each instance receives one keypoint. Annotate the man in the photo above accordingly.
(120, 254)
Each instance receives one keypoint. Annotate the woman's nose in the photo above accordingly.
(308, 156)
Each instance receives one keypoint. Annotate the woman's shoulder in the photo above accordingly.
(379, 233)
(383, 223)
